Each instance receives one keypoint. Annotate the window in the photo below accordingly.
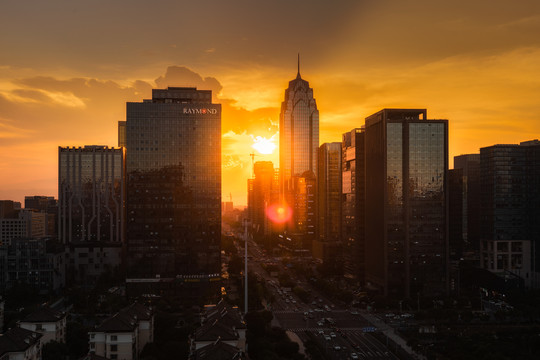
(114, 338)
(114, 347)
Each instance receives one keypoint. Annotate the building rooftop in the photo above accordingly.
(44, 314)
(17, 340)
(218, 351)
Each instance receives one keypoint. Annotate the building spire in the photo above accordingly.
(298, 74)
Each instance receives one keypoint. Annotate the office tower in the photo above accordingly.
(406, 203)
(298, 145)
(47, 205)
(174, 188)
(353, 204)
(91, 203)
(329, 206)
(264, 194)
(464, 203)
(510, 210)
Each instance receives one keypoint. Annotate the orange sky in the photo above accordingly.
(67, 68)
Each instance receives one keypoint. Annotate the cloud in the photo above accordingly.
(182, 76)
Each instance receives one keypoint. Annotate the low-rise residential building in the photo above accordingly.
(48, 322)
(124, 335)
(20, 344)
(221, 325)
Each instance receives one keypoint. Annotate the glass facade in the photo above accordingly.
(353, 204)
(91, 194)
(408, 233)
(174, 184)
(299, 131)
(298, 147)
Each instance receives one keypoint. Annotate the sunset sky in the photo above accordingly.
(67, 69)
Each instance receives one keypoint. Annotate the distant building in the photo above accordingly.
(406, 203)
(353, 204)
(326, 246)
(298, 147)
(20, 344)
(47, 205)
(510, 210)
(264, 194)
(39, 263)
(91, 196)
(22, 223)
(124, 335)
(174, 188)
(48, 322)
(122, 142)
(464, 219)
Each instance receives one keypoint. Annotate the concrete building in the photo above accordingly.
(124, 335)
(49, 323)
(406, 203)
(20, 344)
(39, 263)
(22, 223)
(47, 205)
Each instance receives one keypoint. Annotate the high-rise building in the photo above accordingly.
(329, 206)
(510, 210)
(406, 203)
(298, 146)
(464, 207)
(353, 204)
(174, 187)
(91, 203)
(265, 191)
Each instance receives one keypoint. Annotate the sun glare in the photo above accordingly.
(279, 213)
(263, 145)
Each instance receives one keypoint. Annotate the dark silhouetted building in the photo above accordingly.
(510, 210)
(326, 246)
(91, 194)
(174, 191)
(265, 193)
(353, 204)
(406, 203)
(298, 147)
(464, 207)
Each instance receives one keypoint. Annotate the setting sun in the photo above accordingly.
(263, 145)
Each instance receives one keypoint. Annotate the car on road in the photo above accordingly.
(337, 348)
(354, 356)
(327, 338)
(332, 335)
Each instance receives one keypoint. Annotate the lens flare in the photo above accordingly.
(279, 213)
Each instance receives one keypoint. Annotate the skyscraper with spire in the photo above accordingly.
(299, 143)
(298, 131)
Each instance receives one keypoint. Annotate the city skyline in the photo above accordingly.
(63, 83)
